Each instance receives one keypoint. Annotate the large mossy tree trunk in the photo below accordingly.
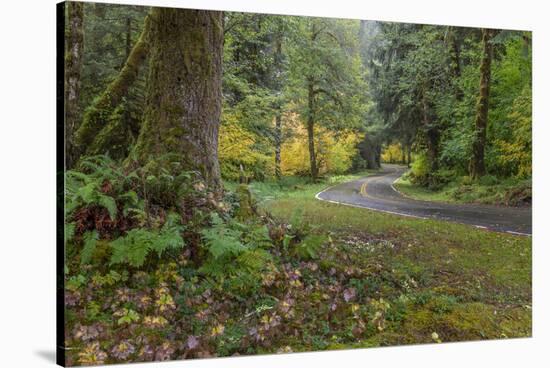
(184, 100)
(477, 165)
(74, 50)
(98, 128)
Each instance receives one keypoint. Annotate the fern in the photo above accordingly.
(253, 261)
(108, 203)
(69, 231)
(89, 193)
(257, 237)
(134, 248)
(310, 246)
(221, 240)
(237, 256)
(90, 242)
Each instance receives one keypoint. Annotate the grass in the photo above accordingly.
(488, 190)
(442, 281)
(295, 187)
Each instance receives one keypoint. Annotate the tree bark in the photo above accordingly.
(433, 149)
(96, 116)
(432, 134)
(73, 66)
(310, 131)
(278, 60)
(128, 36)
(184, 97)
(278, 143)
(368, 150)
(477, 167)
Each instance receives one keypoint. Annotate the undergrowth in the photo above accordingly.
(160, 268)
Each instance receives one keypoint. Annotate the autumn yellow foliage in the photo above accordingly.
(334, 151)
(239, 147)
(516, 154)
(392, 153)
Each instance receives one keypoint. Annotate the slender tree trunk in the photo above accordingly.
(73, 66)
(409, 155)
(459, 94)
(184, 98)
(432, 135)
(278, 59)
(477, 167)
(278, 143)
(96, 116)
(433, 149)
(310, 132)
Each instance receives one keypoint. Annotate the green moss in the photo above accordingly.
(96, 116)
(115, 138)
(516, 322)
(246, 205)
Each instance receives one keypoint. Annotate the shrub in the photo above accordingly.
(488, 180)
(421, 174)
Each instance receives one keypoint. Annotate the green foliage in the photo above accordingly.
(128, 316)
(101, 182)
(137, 244)
(237, 253)
(106, 31)
(149, 246)
(310, 246)
(221, 240)
(420, 167)
(69, 231)
(90, 241)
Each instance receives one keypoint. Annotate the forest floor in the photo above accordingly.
(427, 280)
(331, 277)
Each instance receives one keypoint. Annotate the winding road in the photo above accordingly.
(376, 192)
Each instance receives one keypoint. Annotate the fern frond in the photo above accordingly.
(221, 240)
(69, 231)
(108, 203)
(90, 242)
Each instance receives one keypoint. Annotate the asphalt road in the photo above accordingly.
(376, 192)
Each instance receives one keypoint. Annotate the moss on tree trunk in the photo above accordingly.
(183, 109)
(99, 114)
(73, 66)
(477, 166)
(278, 143)
(311, 131)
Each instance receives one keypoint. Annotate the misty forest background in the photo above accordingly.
(196, 140)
